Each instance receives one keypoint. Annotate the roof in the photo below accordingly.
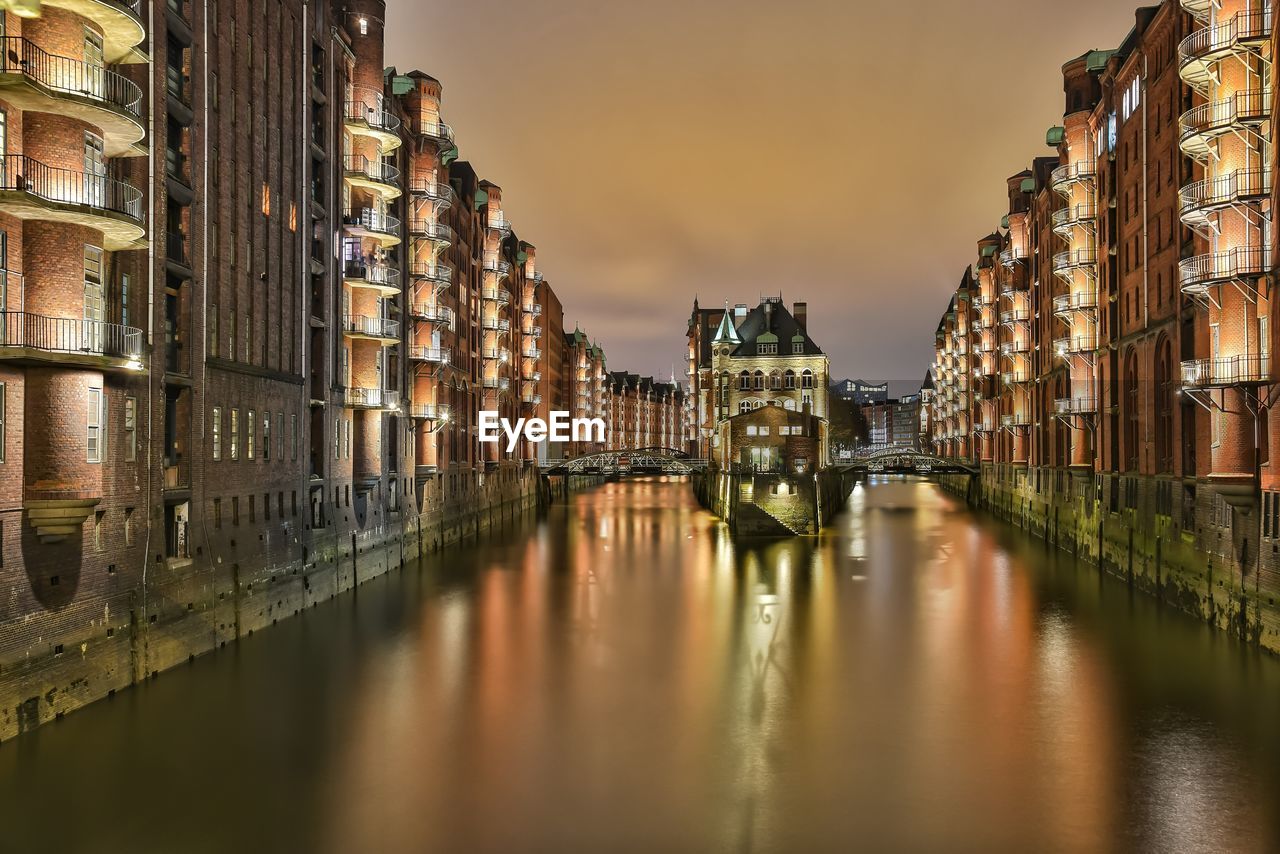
(768, 322)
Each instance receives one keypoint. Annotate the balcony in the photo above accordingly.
(437, 232)
(431, 128)
(1017, 419)
(1242, 370)
(497, 295)
(439, 315)
(1075, 345)
(431, 412)
(498, 383)
(366, 115)
(532, 398)
(1014, 315)
(535, 331)
(374, 225)
(83, 343)
(378, 277)
(437, 274)
(1198, 202)
(376, 176)
(1067, 304)
(495, 324)
(496, 354)
(1013, 255)
(499, 223)
(43, 82)
(534, 377)
(31, 190)
(498, 267)
(533, 308)
(438, 193)
(1066, 220)
(533, 353)
(1075, 406)
(1014, 348)
(1065, 178)
(120, 21)
(372, 398)
(1065, 264)
(1016, 377)
(1205, 48)
(431, 355)
(1201, 126)
(1202, 272)
(379, 329)
(534, 278)
(1200, 8)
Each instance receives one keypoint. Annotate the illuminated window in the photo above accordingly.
(235, 434)
(249, 435)
(93, 432)
(266, 199)
(130, 429)
(215, 432)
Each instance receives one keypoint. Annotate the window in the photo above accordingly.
(744, 406)
(4, 433)
(280, 433)
(789, 379)
(752, 430)
(767, 349)
(249, 435)
(91, 337)
(764, 429)
(758, 379)
(93, 438)
(797, 347)
(130, 429)
(266, 436)
(235, 434)
(744, 380)
(806, 379)
(215, 432)
(337, 438)
(293, 437)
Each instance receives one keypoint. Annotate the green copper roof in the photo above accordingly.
(1055, 136)
(988, 250)
(1096, 60)
(1028, 185)
(482, 199)
(726, 332)
(449, 156)
(522, 256)
(401, 85)
(766, 338)
(1004, 221)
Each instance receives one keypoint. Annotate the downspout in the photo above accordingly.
(1146, 237)
(151, 307)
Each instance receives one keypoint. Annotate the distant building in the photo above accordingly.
(861, 391)
(771, 439)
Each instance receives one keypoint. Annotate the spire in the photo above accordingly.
(726, 332)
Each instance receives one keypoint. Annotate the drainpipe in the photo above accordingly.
(1146, 233)
(151, 307)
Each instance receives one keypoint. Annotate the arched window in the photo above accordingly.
(1132, 404)
(789, 379)
(1164, 406)
(789, 405)
(775, 380)
(744, 380)
(744, 406)
(806, 379)
(756, 404)
(759, 378)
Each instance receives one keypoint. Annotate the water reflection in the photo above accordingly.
(623, 676)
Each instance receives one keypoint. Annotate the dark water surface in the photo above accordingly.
(621, 676)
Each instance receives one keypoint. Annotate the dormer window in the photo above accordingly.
(766, 349)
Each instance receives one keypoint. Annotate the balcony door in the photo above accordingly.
(93, 77)
(95, 171)
(94, 301)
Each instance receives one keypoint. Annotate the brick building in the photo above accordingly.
(1110, 345)
(644, 413)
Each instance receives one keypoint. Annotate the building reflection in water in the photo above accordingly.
(623, 675)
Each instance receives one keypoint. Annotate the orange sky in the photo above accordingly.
(843, 152)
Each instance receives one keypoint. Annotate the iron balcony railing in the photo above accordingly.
(1241, 185)
(1064, 177)
(497, 265)
(1075, 259)
(535, 331)
(531, 353)
(1075, 344)
(1014, 315)
(63, 75)
(1072, 215)
(499, 295)
(1015, 377)
(1013, 255)
(374, 327)
(1198, 51)
(534, 308)
(496, 324)
(1207, 121)
(429, 272)
(432, 230)
(366, 108)
(1017, 419)
(1200, 8)
(498, 222)
(1075, 406)
(65, 186)
(431, 411)
(371, 220)
(373, 398)
(499, 383)
(381, 275)
(1079, 301)
(531, 397)
(534, 278)
(1245, 369)
(432, 128)
(500, 354)
(1010, 348)
(432, 355)
(433, 313)
(534, 377)
(68, 335)
(377, 171)
(428, 187)
(1204, 271)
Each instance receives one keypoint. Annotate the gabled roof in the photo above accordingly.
(726, 334)
(770, 322)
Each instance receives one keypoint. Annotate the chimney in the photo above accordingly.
(768, 316)
(739, 312)
(802, 316)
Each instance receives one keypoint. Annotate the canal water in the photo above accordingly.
(621, 676)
